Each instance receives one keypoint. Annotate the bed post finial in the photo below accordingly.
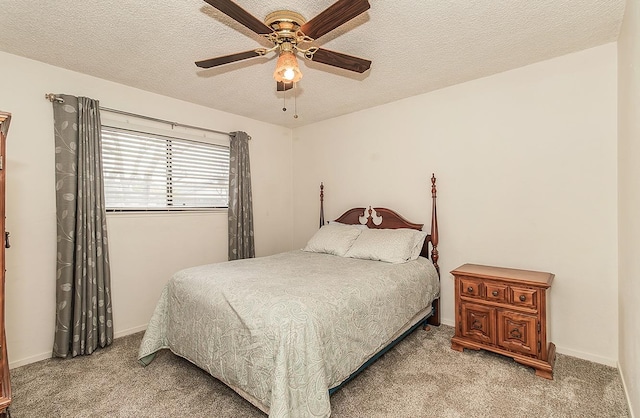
(434, 224)
(321, 204)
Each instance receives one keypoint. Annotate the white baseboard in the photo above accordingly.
(47, 355)
(448, 322)
(129, 331)
(626, 391)
(562, 350)
(587, 356)
(29, 360)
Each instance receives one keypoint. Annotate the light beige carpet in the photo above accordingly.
(421, 377)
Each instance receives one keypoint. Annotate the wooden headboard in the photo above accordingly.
(383, 218)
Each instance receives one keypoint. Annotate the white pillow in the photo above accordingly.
(359, 226)
(390, 245)
(419, 244)
(333, 239)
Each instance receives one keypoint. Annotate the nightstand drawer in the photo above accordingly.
(497, 292)
(472, 288)
(526, 298)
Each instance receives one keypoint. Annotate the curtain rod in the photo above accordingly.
(52, 97)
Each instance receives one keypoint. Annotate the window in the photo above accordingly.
(145, 171)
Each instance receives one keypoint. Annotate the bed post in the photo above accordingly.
(321, 204)
(434, 225)
(435, 318)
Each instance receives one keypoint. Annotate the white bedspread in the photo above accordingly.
(286, 328)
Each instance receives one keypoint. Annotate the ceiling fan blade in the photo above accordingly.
(240, 15)
(226, 59)
(335, 15)
(282, 86)
(336, 59)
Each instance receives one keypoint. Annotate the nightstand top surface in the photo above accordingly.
(502, 273)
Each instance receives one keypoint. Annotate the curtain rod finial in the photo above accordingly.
(53, 98)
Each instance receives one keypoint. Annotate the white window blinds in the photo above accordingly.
(144, 171)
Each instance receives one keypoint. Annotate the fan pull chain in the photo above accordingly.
(284, 100)
(295, 101)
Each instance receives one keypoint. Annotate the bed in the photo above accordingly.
(287, 330)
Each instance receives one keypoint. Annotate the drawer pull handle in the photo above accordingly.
(523, 298)
(470, 289)
(494, 293)
(515, 333)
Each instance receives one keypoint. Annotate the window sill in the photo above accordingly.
(182, 212)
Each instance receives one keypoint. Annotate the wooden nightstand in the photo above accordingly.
(505, 311)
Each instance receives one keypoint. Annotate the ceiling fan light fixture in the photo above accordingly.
(287, 70)
(290, 33)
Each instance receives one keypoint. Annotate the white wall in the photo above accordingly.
(629, 201)
(145, 249)
(526, 167)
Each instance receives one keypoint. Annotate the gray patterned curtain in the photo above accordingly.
(241, 243)
(83, 288)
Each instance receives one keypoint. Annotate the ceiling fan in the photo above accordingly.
(290, 34)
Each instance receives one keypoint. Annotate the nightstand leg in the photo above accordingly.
(457, 347)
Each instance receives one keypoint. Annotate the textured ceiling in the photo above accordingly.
(416, 46)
